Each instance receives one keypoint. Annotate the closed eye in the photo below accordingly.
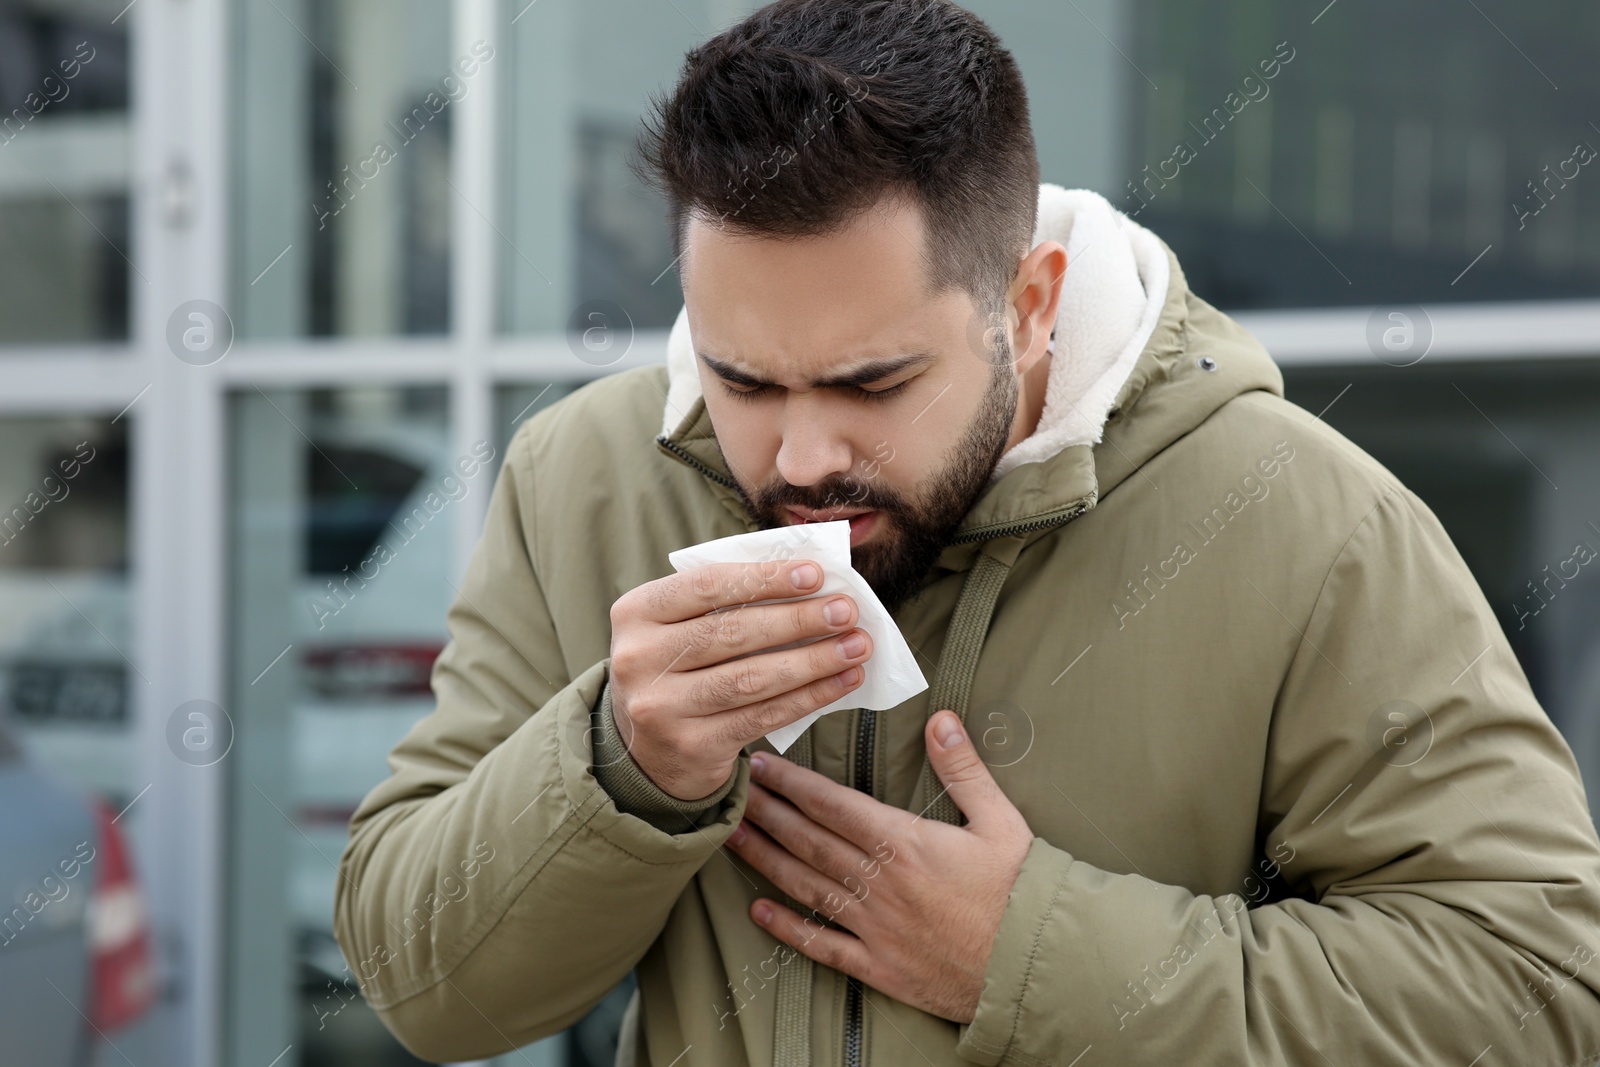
(755, 392)
(882, 394)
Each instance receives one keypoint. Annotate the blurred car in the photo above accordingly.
(77, 981)
(363, 654)
(364, 646)
(364, 630)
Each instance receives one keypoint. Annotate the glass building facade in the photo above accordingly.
(271, 268)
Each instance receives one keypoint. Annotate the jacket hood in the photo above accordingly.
(1122, 330)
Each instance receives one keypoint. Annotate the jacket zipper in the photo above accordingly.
(854, 997)
(1057, 518)
(677, 450)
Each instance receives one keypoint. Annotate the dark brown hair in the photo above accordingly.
(797, 119)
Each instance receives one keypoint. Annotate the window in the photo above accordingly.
(64, 174)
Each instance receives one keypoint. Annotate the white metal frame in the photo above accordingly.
(181, 104)
(179, 68)
(1545, 329)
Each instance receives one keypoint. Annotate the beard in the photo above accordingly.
(914, 530)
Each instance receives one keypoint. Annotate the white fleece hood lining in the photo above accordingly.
(1115, 287)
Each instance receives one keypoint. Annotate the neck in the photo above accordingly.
(1030, 401)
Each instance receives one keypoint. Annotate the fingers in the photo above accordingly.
(729, 706)
(751, 697)
(680, 666)
(831, 948)
(964, 774)
(724, 635)
(806, 840)
(855, 816)
(802, 882)
(694, 592)
(765, 675)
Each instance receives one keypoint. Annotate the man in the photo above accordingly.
(1248, 773)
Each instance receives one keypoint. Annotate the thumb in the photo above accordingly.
(963, 771)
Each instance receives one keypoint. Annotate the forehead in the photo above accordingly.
(790, 307)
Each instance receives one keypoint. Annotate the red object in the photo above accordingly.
(124, 985)
(371, 672)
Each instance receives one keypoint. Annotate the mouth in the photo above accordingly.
(829, 515)
(862, 522)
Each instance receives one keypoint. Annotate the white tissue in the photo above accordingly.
(892, 675)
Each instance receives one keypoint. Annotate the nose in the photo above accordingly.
(814, 445)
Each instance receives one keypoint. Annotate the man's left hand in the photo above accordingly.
(921, 900)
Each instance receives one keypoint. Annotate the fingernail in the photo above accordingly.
(852, 645)
(837, 612)
(758, 765)
(849, 677)
(763, 914)
(949, 731)
(804, 576)
(737, 837)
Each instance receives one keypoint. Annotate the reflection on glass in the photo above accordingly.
(64, 167)
(1368, 155)
(580, 226)
(65, 638)
(342, 163)
(340, 552)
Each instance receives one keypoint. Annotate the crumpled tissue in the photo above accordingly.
(892, 675)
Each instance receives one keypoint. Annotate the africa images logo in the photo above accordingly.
(1142, 589)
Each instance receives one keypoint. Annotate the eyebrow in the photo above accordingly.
(864, 374)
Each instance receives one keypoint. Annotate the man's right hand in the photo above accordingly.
(685, 711)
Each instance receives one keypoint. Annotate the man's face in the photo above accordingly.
(904, 447)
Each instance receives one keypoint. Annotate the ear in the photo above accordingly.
(1035, 298)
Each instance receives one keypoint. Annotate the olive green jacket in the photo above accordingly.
(1292, 797)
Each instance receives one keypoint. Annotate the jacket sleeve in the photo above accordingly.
(1431, 824)
(491, 891)
(634, 792)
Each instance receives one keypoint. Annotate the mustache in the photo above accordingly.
(824, 498)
